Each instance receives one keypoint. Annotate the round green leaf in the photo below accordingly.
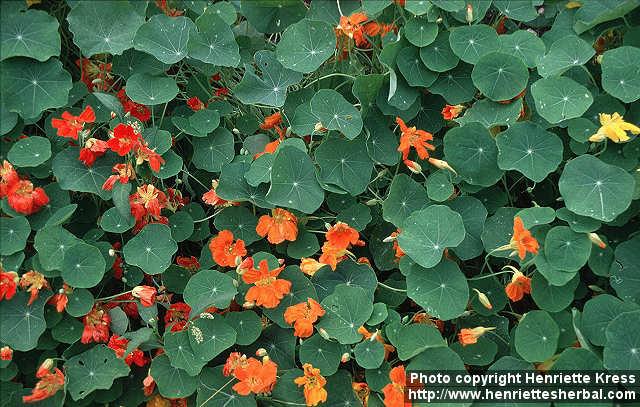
(112, 28)
(113, 221)
(455, 86)
(247, 324)
(181, 224)
(80, 302)
(566, 52)
(405, 196)
(519, 10)
(550, 297)
(442, 290)
(470, 42)
(473, 215)
(523, 44)
(151, 249)
(305, 45)
(347, 272)
(21, 325)
(593, 188)
(83, 266)
(14, 232)
(213, 152)
(172, 382)
(426, 233)
(32, 33)
(209, 288)
(536, 336)
(560, 98)
(420, 32)
(165, 37)
(413, 339)
(620, 75)
(598, 312)
(491, 114)
(52, 244)
(293, 181)
(69, 330)
(529, 149)
(151, 90)
(29, 87)
(344, 163)
(621, 348)
(73, 175)
(335, 113)
(481, 353)
(240, 221)
(472, 152)
(438, 55)
(271, 88)
(270, 17)
(565, 249)
(347, 309)
(369, 354)
(322, 354)
(500, 76)
(214, 41)
(625, 270)
(412, 68)
(93, 370)
(61, 215)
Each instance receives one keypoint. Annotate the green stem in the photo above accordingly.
(217, 392)
(400, 290)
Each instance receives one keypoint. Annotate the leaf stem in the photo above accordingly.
(388, 287)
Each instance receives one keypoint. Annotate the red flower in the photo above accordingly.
(211, 197)
(146, 205)
(195, 104)
(33, 282)
(26, 199)
(451, 112)
(123, 173)
(119, 346)
(124, 139)
(140, 112)
(146, 294)
(412, 137)
(95, 76)
(178, 315)
(144, 153)
(271, 121)
(8, 177)
(48, 385)
(93, 149)
(222, 91)
(6, 353)
(70, 125)
(8, 284)
(190, 263)
(96, 326)
(61, 299)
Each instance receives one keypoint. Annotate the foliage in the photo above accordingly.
(348, 186)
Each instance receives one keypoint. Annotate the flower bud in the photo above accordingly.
(112, 252)
(345, 357)
(484, 300)
(235, 131)
(469, 16)
(413, 166)
(324, 333)
(248, 304)
(441, 164)
(113, 115)
(599, 59)
(595, 239)
(261, 352)
(390, 238)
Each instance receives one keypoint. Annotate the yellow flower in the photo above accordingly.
(615, 128)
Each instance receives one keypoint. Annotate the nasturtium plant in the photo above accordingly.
(196, 194)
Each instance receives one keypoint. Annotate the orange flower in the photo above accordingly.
(451, 112)
(8, 177)
(6, 353)
(412, 137)
(518, 287)
(331, 255)
(70, 125)
(303, 316)
(280, 226)
(342, 235)
(362, 392)
(146, 294)
(424, 318)
(522, 241)
(314, 382)
(468, 336)
(310, 266)
(367, 336)
(271, 121)
(396, 247)
(224, 251)
(48, 385)
(211, 197)
(96, 326)
(394, 391)
(61, 299)
(255, 377)
(235, 359)
(350, 25)
(268, 289)
(35, 282)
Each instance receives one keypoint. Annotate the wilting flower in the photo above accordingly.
(69, 125)
(302, 316)
(211, 197)
(394, 391)
(615, 128)
(255, 376)
(469, 336)
(146, 294)
(451, 112)
(144, 153)
(95, 75)
(122, 173)
(268, 289)
(33, 282)
(280, 226)
(140, 112)
(412, 137)
(8, 283)
(190, 263)
(22, 197)
(6, 353)
(362, 392)
(8, 176)
(92, 150)
(96, 326)
(149, 385)
(146, 206)
(177, 316)
(48, 385)
(368, 336)
(225, 251)
(310, 266)
(313, 382)
(234, 360)
(518, 287)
